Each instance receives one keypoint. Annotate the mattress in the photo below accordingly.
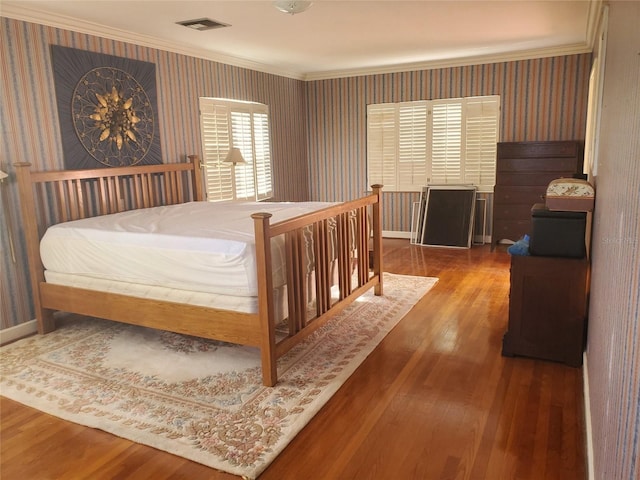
(198, 246)
(153, 292)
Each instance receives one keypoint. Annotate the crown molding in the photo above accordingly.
(594, 16)
(32, 15)
(574, 49)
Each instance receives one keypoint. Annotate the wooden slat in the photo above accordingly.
(69, 194)
(323, 290)
(78, 198)
(147, 190)
(296, 287)
(172, 187)
(137, 197)
(363, 249)
(376, 214)
(110, 186)
(103, 204)
(317, 269)
(61, 214)
(88, 208)
(344, 260)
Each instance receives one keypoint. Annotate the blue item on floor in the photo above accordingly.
(521, 247)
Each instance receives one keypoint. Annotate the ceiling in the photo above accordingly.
(333, 38)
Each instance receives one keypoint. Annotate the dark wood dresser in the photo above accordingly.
(547, 309)
(523, 172)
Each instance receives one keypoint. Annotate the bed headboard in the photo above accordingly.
(47, 198)
(62, 195)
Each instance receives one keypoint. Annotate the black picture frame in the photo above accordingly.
(448, 216)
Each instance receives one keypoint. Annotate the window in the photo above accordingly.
(452, 141)
(227, 124)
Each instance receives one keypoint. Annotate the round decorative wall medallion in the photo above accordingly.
(112, 117)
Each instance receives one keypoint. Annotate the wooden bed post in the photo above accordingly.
(377, 238)
(196, 178)
(44, 316)
(265, 299)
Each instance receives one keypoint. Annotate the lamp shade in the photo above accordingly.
(3, 175)
(234, 156)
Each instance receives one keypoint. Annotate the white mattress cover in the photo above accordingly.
(154, 292)
(198, 246)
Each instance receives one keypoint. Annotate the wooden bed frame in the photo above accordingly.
(52, 197)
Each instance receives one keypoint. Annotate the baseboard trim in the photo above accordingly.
(25, 329)
(477, 239)
(396, 234)
(587, 418)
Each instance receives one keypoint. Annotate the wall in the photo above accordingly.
(543, 99)
(613, 349)
(30, 130)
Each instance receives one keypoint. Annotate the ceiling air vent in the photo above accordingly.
(202, 24)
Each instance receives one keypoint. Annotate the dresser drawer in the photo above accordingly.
(531, 179)
(511, 211)
(540, 149)
(566, 166)
(525, 194)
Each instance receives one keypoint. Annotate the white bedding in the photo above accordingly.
(155, 292)
(198, 246)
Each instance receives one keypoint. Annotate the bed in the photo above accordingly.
(301, 269)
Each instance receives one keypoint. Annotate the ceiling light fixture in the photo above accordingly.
(292, 6)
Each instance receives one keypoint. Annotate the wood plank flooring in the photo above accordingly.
(434, 401)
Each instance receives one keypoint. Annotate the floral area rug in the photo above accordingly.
(199, 399)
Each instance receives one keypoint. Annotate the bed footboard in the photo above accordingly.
(342, 237)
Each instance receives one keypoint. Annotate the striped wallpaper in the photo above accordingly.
(613, 348)
(543, 99)
(30, 130)
(318, 127)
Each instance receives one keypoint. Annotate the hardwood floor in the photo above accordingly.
(434, 401)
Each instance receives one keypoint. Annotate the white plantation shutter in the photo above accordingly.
(243, 139)
(412, 145)
(226, 124)
(216, 142)
(381, 145)
(262, 156)
(446, 142)
(450, 141)
(482, 116)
